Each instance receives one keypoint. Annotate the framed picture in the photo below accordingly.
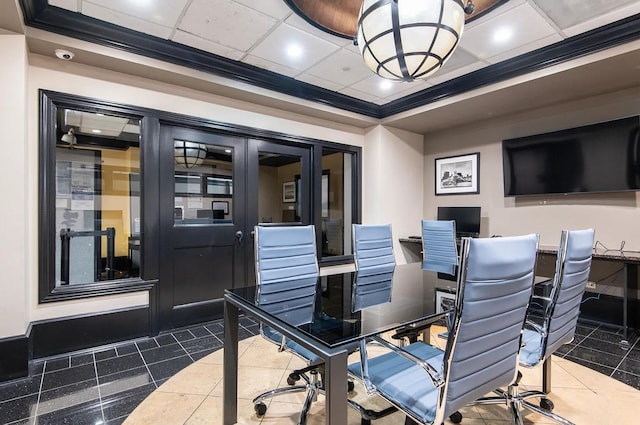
(458, 174)
(289, 192)
(220, 205)
(445, 301)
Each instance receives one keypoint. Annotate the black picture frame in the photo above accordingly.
(458, 175)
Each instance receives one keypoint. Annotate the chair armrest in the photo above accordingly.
(535, 326)
(437, 380)
(539, 297)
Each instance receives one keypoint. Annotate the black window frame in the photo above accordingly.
(51, 101)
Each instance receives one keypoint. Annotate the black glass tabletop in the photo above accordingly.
(343, 308)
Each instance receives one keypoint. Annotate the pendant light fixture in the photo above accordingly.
(407, 40)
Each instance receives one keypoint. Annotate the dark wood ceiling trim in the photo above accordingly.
(39, 14)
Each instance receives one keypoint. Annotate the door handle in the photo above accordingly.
(239, 236)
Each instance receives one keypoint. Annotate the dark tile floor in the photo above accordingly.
(104, 385)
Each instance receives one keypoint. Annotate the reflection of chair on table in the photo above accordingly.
(481, 354)
(371, 289)
(558, 323)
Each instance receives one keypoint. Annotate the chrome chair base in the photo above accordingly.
(312, 386)
(515, 400)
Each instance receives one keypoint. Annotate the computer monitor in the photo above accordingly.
(467, 219)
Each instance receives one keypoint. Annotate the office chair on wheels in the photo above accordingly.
(557, 325)
(373, 247)
(494, 287)
(287, 274)
(439, 248)
(373, 253)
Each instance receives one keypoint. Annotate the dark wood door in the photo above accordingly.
(203, 223)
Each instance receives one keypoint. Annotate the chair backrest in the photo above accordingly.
(373, 247)
(285, 260)
(439, 249)
(495, 285)
(569, 283)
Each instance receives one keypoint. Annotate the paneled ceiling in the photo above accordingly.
(251, 40)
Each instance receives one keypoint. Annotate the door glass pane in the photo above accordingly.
(97, 183)
(280, 189)
(203, 191)
(335, 208)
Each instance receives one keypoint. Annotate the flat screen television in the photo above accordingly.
(600, 157)
(467, 219)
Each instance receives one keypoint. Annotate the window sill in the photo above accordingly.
(90, 290)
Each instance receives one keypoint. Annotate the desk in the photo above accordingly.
(334, 327)
(630, 288)
(630, 261)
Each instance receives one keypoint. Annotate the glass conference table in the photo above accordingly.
(343, 309)
(340, 316)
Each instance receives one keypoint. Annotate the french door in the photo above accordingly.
(213, 190)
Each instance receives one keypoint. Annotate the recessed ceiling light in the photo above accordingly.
(96, 131)
(227, 151)
(386, 84)
(294, 50)
(502, 34)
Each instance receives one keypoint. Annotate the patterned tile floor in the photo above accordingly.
(104, 385)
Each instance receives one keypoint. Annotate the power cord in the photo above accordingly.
(597, 297)
(621, 249)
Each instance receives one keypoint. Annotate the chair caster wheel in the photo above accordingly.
(456, 417)
(350, 386)
(293, 378)
(546, 404)
(260, 408)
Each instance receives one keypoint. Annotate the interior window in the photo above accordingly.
(203, 191)
(336, 202)
(97, 197)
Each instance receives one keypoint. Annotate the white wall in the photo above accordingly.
(615, 217)
(392, 182)
(14, 175)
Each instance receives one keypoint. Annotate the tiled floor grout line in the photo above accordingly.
(146, 366)
(95, 368)
(35, 414)
(185, 350)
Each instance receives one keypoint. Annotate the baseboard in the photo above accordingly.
(14, 358)
(51, 337)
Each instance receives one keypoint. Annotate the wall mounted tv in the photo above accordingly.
(600, 157)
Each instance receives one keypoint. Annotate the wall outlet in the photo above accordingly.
(591, 285)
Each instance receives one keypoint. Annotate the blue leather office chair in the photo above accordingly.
(439, 249)
(373, 247)
(494, 289)
(287, 274)
(558, 322)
